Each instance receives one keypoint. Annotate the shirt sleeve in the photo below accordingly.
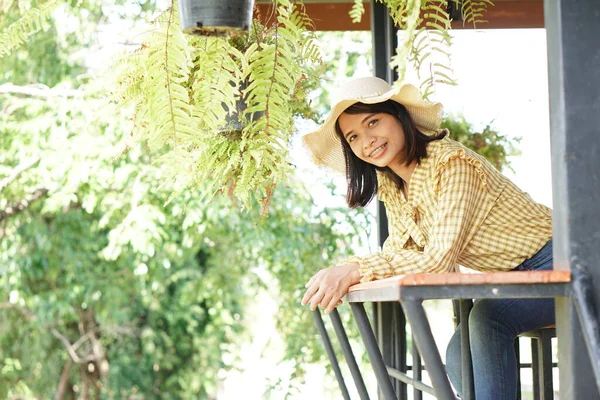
(461, 205)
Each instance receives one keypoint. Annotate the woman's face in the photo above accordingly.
(377, 138)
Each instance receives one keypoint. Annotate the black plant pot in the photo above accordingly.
(215, 17)
(235, 122)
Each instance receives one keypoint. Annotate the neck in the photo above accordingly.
(404, 171)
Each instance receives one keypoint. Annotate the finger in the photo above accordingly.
(311, 280)
(326, 299)
(308, 294)
(333, 303)
(316, 299)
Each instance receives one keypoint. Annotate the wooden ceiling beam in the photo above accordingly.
(333, 16)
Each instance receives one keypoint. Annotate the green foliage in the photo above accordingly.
(491, 144)
(154, 297)
(357, 11)
(430, 49)
(425, 39)
(32, 21)
(187, 94)
(474, 11)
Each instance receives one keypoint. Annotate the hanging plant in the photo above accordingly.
(215, 17)
(426, 41)
(187, 92)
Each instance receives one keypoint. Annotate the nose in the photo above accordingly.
(369, 142)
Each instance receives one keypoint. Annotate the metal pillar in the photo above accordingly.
(349, 355)
(388, 317)
(383, 378)
(573, 29)
(331, 354)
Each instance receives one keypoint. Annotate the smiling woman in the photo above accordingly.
(446, 205)
(380, 135)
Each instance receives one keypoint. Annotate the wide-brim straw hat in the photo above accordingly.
(325, 145)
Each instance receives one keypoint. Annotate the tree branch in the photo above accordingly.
(72, 353)
(38, 91)
(63, 383)
(16, 172)
(22, 204)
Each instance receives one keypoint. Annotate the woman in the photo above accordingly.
(446, 206)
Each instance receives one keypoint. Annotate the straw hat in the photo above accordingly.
(324, 143)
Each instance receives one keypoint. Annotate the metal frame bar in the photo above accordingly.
(468, 387)
(535, 368)
(458, 292)
(348, 354)
(331, 354)
(544, 363)
(417, 369)
(399, 349)
(418, 385)
(466, 292)
(424, 338)
(381, 373)
(519, 367)
(583, 290)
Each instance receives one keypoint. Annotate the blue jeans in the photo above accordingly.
(493, 327)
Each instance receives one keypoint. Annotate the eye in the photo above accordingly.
(351, 138)
(373, 122)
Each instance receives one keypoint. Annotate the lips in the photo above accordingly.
(378, 151)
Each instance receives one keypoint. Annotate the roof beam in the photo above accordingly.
(333, 15)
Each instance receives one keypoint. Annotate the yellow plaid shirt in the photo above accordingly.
(460, 211)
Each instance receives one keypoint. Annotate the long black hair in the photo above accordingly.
(361, 175)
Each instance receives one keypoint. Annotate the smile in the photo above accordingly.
(378, 150)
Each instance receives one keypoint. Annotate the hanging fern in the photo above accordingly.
(430, 51)
(167, 72)
(426, 40)
(188, 92)
(32, 21)
(474, 10)
(357, 11)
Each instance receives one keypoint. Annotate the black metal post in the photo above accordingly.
(520, 367)
(417, 369)
(381, 373)
(573, 29)
(468, 388)
(428, 349)
(583, 294)
(544, 353)
(390, 333)
(418, 385)
(347, 350)
(331, 353)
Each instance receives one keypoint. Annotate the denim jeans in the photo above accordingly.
(493, 326)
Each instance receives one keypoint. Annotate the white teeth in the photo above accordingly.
(377, 150)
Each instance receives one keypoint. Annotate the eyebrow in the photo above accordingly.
(362, 122)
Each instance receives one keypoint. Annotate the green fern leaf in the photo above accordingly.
(357, 11)
(31, 22)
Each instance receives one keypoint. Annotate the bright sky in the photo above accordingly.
(502, 77)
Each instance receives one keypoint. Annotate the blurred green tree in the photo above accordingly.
(111, 286)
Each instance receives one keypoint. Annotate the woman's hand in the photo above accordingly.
(329, 285)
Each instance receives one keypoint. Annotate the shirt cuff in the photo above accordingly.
(365, 272)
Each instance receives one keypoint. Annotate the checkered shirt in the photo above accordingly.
(460, 211)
